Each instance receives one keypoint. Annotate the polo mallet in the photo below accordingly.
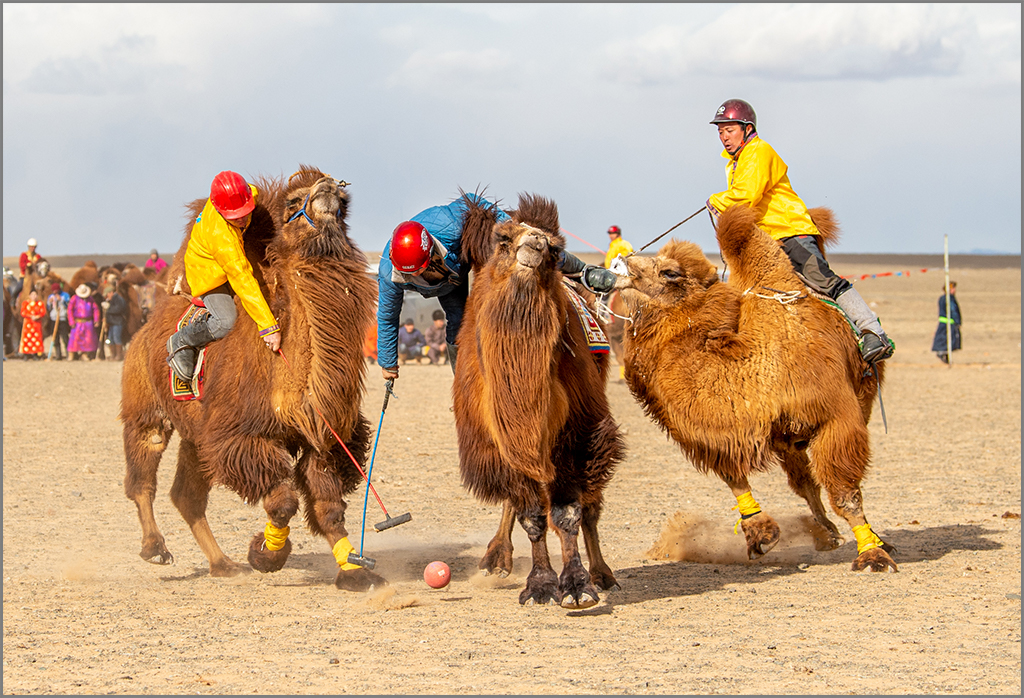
(668, 231)
(389, 521)
(359, 559)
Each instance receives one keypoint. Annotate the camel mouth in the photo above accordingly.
(531, 252)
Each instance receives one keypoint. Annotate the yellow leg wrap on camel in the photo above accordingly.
(275, 536)
(866, 538)
(747, 506)
(341, 550)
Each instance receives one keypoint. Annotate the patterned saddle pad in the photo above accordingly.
(596, 339)
(183, 390)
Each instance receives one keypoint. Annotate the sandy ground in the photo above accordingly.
(82, 613)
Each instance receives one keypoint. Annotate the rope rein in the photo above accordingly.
(783, 297)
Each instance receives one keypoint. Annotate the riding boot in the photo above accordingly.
(453, 351)
(183, 347)
(874, 344)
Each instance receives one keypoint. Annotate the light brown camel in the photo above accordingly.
(753, 373)
(263, 428)
(534, 427)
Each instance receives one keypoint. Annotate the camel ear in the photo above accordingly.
(478, 239)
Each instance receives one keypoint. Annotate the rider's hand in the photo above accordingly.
(598, 279)
(273, 341)
(389, 373)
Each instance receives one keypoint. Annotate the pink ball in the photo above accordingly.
(437, 575)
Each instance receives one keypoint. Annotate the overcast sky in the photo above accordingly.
(905, 119)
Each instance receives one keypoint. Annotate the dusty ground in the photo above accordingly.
(84, 614)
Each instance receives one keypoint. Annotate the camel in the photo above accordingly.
(753, 373)
(534, 428)
(263, 427)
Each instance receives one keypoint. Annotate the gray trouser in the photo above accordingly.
(810, 264)
(221, 304)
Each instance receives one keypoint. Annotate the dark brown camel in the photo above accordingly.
(257, 430)
(534, 428)
(754, 373)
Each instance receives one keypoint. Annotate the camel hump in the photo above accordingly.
(539, 212)
(825, 221)
(754, 257)
(478, 229)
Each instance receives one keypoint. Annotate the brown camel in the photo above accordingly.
(263, 427)
(753, 373)
(534, 428)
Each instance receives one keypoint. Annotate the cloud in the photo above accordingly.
(453, 70)
(802, 42)
(125, 67)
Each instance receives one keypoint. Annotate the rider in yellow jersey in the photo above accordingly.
(759, 178)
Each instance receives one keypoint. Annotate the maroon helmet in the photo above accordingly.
(733, 110)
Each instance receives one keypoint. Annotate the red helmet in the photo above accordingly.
(735, 110)
(410, 247)
(615, 230)
(231, 195)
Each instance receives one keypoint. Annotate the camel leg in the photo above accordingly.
(190, 494)
(760, 530)
(498, 558)
(270, 555)
(797, 468)
(145, 436)
(542, 583)
(323, 483)
(600, 573)
(574, 585)
(840, 457)
(143, 447)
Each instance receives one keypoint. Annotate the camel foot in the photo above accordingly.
(497, 560)
(541, 589)
(602, 578)
(575, 587)
(874, 560)
(826, 540)
(156, 553)
(227, 568)
(264, 559)
(762, 534)
(360, 579)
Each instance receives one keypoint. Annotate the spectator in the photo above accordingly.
(117, 314)
(437, 348)
(953, 318)
(147, 293)
(155, 262)
(84, 318)
(57, 305)
(410, 342)
(32, 311)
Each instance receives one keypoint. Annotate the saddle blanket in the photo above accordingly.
(597, 342)
(183, 390)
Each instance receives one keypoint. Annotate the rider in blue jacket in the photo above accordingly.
(423, 256)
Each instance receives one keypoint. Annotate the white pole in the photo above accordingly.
(949, 311)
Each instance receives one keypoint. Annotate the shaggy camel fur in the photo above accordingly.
(257, 430)
(534, 428)
(754, 373)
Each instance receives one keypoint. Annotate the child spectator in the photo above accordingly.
(410, 342)
(32, 311)
(435, 338)
(57, 304)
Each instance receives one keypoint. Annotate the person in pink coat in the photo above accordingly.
(84, 318)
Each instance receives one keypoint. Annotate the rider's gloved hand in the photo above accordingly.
(598, 279)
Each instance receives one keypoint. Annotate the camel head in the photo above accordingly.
(678, 274)
(313, 219)
(530, 243)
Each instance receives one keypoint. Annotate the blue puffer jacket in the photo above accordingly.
(444, 223)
